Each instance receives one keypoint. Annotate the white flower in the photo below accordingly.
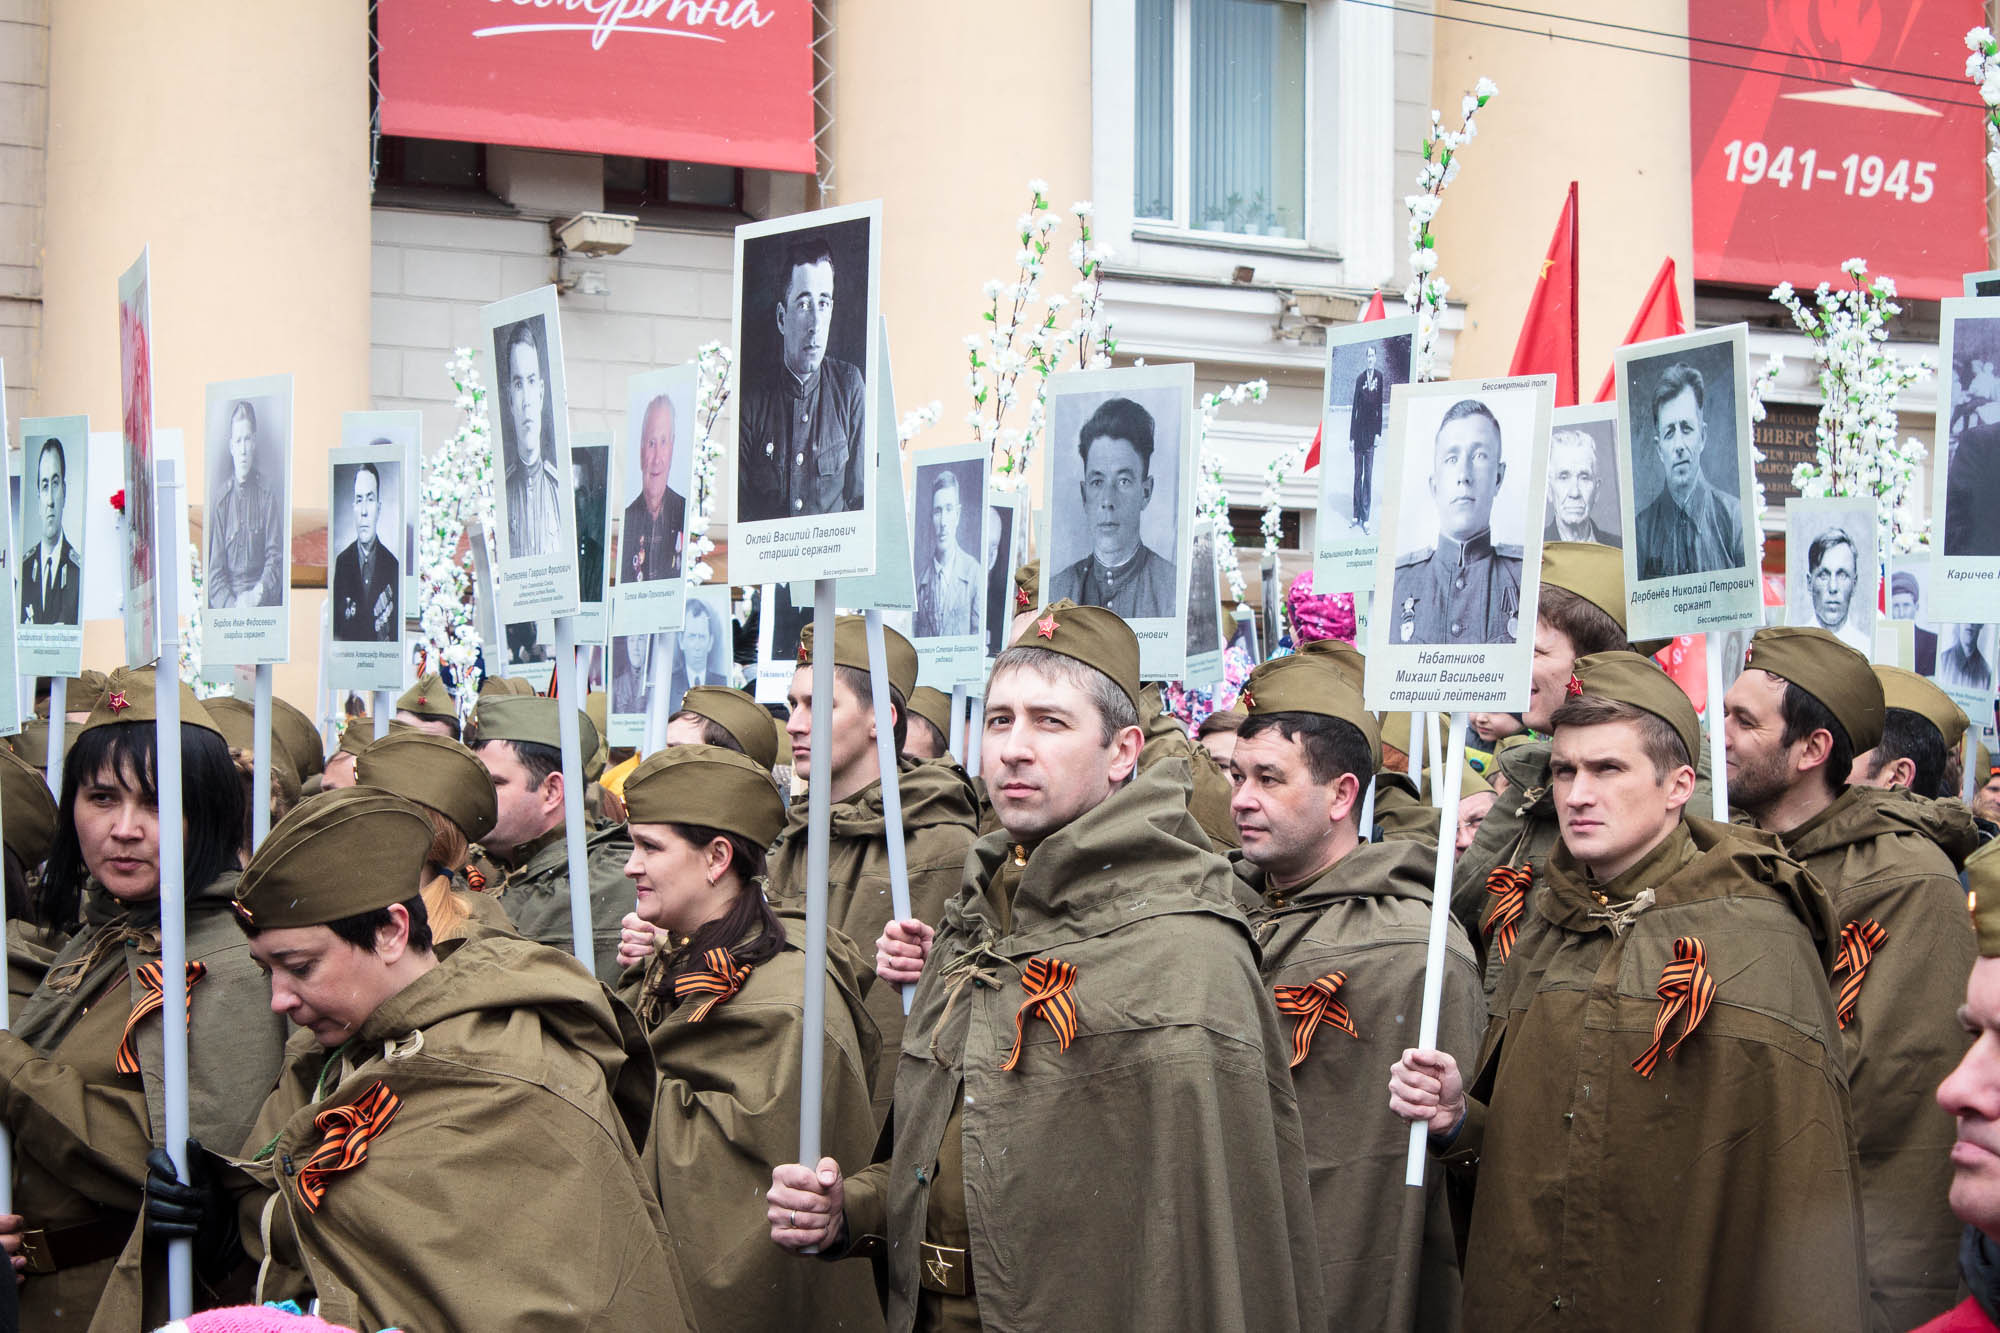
(1485, 89)
(1083, 208)
(1038, 186)
(1978, 39)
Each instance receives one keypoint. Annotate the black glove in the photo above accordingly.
(194, 1211)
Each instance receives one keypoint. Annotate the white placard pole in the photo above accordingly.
(58, 730)
(819, 810)
(385, 707)
(260, 758)
(1431, 723)
(975, 726)
(580, 922)
(1718, 762)
(661, 664)
(892, 788)
(1971, 781)
(167, 559)
(1368, 810)
(956, 741)
(1427, 1024)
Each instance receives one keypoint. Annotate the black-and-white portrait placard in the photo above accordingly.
(1204, 611)
(1965, 655)
(1831, 568)
(697, 655)
(1119, 479)
(534, 508)
(1581, 503)
(949, 549)
(1363, 363)
(590, 483)
(366, 529)
(1686, 484)
(891, 588)
(655, 489)
(51, 542)
(1965, 468)
(780, 622)
(1909, 602)
(247, 531)
(140, 608)
(807, 301)
(1453, 621)
(1006, 534)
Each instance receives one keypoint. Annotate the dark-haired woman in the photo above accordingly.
(722, 1002)
(80, 1075)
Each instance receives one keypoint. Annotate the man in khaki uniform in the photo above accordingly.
(1342, 931)
(434, 1077)
(1804, 706)
(1705, 1179)
(929, 733)
(1971, 1094)
(718, 715)
(1094, 1127)
(1921, 726)
(427, 706)
(518, 740)
(1401, 811)
(940, 817)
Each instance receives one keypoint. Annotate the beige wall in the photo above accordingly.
(231, 136)
(945, 111)
(24, 124)
(1536, 137)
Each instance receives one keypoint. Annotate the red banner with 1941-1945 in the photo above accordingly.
(1823, 132)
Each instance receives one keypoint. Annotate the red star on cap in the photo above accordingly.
(1574, 688)
(117, 701)
(1046, 626)
(1021, 597)
(1249, 700)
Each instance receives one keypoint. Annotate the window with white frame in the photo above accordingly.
(1220, 124)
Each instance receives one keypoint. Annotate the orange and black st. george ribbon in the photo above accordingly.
(348, 1130)
(1687, 987)
(1858, 942)
(1312, 1005)
(1509, 887)
(1051, 985)
(150, 976)
(719, 977)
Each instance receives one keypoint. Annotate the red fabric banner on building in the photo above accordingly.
(1820, 132)
(719, 81)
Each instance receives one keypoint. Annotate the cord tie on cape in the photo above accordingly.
(1858, 942)
(1313, 1005)
(150, 980)
(1686, 987)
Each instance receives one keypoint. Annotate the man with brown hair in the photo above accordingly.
(1705, 1179)
(1804, 706)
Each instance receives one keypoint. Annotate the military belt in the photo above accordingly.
(944, 1270)
(75, 1246)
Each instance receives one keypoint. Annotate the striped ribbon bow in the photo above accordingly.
(1858, 942)
(1509, 887)
(1686, 986)
(348, 1130)
(149, 981)
(1051, 986)
(721, 977)
(1313, 1005)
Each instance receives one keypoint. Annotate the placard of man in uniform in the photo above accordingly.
(999, 576)
(246, 559)
(1832, 574)
(1465, 589)
(366, 574)
(534, 488)
(1691, 527)
(1972, 479)
(51, 576)
(650, 547)
(1121, 572)
(587, 465)
(948, 584)
(1905, 600)
(1963, 665)
(1575, 475)
(800, 449)
(632, 670)
(694, 652)
(1364, 433)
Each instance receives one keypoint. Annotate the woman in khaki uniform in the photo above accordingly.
(456, 792)
(722, 1004)
(80, 1074)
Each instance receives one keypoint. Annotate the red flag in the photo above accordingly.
(1548, 332)
(1368, 316)
(1659, 317)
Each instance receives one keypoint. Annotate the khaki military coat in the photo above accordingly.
(1368, 920)
(1892, 858)
(506, 1192)
(1150, 1175)
(535, 895)
(1723, 1191)
(728, 1112)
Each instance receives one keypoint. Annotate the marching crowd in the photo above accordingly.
(1145, 1053)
